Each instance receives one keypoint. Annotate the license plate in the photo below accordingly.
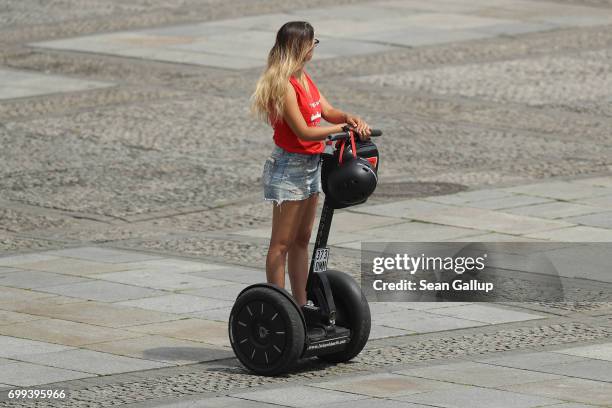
(320, 261)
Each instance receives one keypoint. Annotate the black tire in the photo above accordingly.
(266, 330)
(352, 312)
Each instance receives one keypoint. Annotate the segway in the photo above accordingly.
(268, 330)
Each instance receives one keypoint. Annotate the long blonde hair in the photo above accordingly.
(287, 56)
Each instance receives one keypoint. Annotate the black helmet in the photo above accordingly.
(351, 182)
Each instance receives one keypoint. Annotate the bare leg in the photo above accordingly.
(298, 252)
(285, 221)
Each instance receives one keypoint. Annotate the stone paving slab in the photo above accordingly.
(596, 181)
(36, 279)
(216, 402)
(298, 396)
(599, 201)
(190, 57)
(468, 197)
(220, 315)
(109, 255)
(71, 266)
(515, 28)
(596, 370)
(558, 363)
(582, 261)
(485, 313)
(417, 232)
(92, 362)
(19, 84)
(381, 332)
(537, 10)
(161, 280)
(575, 234)
(9, 295)
(13, 347)
(162, 348)
(510, 201)
(598, 351)
(598, 220)
(102, 291)
(348, 221)
(555, 209)
(226, 292)
(419, 305)
(579, 21)
(235, 274)
(401, 209)
(487, 220)
(361, 13)
(26, 374)
(568, 389)
(210, 332)
(173, 265)
(422, 36)
(496, 237)
(533, 361)
(92, 312)
(176, 303)
(561, 190)
(9, 317)
(334, 238)
(24, 305)
(384, 385)
(477, 374)
(375, 402)
(422, 322)
(468, 397)
(18, 260)
(422, 232)
(65, 332)
(452, 21)
(440, 5)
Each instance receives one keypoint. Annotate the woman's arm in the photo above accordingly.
(293, 117)
(329, 113)
(333, 115)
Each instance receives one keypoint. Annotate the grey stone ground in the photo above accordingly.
(131, 211)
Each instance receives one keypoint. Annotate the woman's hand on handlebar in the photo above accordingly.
(360, 126)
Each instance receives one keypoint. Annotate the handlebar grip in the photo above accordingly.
(338, 136)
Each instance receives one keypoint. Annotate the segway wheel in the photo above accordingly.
(352, 312)
(266, 330)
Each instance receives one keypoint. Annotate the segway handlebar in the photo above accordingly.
(344, 135)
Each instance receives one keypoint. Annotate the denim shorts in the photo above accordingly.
(291, 176)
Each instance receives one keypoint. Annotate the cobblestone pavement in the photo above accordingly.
(130, 182)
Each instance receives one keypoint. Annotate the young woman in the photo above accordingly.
(288, 100)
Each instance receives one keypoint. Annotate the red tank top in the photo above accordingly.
(311, 111)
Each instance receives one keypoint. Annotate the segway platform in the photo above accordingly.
(320, 341)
